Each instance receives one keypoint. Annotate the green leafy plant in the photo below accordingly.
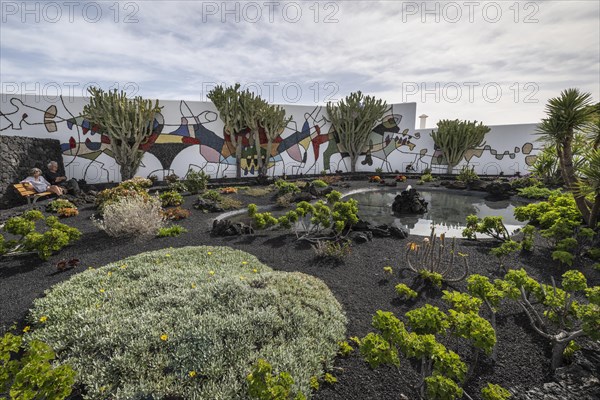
(388, 270)
(264, 385)
(171, 231)
(504, 250)
(57, 204)
(536, 192)
(195, 181)
(284, 187)
(491, 226)
(345, 349)
(467, 175)
(124, 190)
(433, 261)
(170, 198)
(572, 319)
(319, 183)
(405, 291)
(495, 392)
(68, 212)
(26, 371)
(426, 178)
(54, 238)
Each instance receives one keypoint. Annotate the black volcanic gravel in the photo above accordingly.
(358, 283)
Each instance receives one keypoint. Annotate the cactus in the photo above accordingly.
(273, 121)
(454, 138)
(228, 102)
(431, 258)
(353, 119)
(127, 122)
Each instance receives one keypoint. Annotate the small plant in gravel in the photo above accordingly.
(123, 190)
(504, 250)
(495, 392)
(375, 179)
(225, 202)
(263, 384)
(285, 200)
(426, 178)
(171, 231)
(177, 186)
(258, 191)
(172, 178)
(176, 213)
(134, 216)
(432, 260)
(334, 250)
(405, 292)
(188, 323)
(571, 318)
(136, 183)
(28, 239)
(171, 198)
(388, 270)
(284, 187)
(228, 190)
(55, 205)
(400, 178)
(345, 349)
(330, 179)
(27, 371)
(68, 212)
(195, 181)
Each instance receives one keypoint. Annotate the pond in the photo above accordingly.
(447, 210)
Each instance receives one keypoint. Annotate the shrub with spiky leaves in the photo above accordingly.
(213, 311)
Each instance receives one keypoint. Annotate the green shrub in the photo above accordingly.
(123, 190)
(136, 183)
(495, 392)
(536, 192)
(524, 182)
(31, 375)
(345, 349)
(259, 191)
(319, 183)
(426, 178)
(171, 231)
(57, 204)
(467, 175)
(210, 312)
(225, 202)
(284, 187)
(264, 385)
(195, 181)
(171, 198)
(177, 186)
(404, 291)
(491, 226)
(332, 249)
(54, 238)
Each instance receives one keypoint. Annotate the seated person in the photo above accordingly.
(39, 184)
(55, 178)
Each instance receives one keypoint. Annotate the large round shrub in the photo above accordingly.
(188, 323)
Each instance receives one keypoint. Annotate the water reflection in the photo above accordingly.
(447, 211)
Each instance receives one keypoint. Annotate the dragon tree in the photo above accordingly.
(353, 120)
(128, 123)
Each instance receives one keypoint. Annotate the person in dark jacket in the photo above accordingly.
(55, 178)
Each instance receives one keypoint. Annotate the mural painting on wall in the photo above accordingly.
(189, 135)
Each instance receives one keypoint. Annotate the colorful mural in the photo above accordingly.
(189, 135)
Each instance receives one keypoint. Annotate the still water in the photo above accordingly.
(447, 210)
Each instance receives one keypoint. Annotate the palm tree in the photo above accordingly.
(567, 114)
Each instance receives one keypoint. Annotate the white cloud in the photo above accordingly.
(177, 48)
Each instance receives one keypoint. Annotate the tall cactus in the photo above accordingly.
(252, 106)
(273, 122)
(127, 122)
(227, 101)
(353, 119)
(454, 138)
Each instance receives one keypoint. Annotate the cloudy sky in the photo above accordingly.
(497, 62)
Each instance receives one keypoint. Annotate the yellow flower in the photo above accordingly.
(167, 255)
(26, 329)
(164, 337)
(123, 266)
(244, 262)
(255, 270)
(43, 318)
(413, 247)
(242, 278)
(101, 290)
(109, 273)
(192, 374)
(211, 272)
(462, 254)
(209, 253)
(193, 286)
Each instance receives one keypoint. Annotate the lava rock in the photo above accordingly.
(207, 205)
(409, 202)
(499, 190)
(361, 237)
(228, 228)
